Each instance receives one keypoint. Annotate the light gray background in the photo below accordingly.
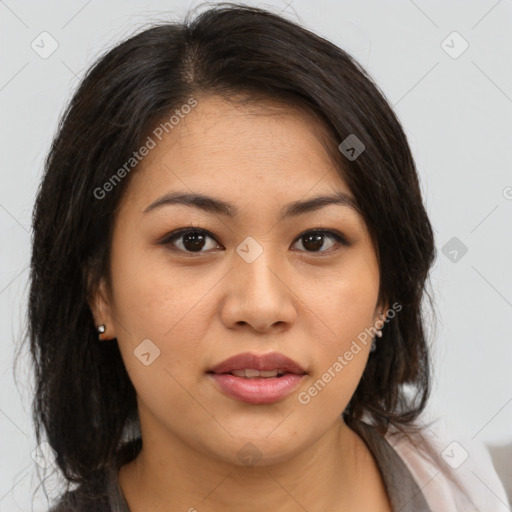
(456, 112)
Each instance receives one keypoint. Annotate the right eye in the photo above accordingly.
(188, 240)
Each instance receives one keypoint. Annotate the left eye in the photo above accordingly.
(315, 239)
(193, 240)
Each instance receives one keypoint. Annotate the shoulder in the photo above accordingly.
(454, 471)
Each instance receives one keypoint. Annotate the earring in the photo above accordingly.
(101, 329)
(378, 333)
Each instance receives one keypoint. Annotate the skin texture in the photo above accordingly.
(201, 308)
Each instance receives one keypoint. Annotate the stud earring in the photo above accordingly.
(378, 333)
(101, 329)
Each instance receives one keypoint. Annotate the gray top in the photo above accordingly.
(405, 495)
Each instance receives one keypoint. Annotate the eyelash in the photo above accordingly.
(167, 240)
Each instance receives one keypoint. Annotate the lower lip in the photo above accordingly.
(257, 391)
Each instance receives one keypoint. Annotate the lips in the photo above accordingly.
(257, 379)
(271, 362)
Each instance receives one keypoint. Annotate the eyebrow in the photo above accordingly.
(217, 206)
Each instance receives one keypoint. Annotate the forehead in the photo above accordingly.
(239, 150)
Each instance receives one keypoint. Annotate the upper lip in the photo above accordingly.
(261, 362)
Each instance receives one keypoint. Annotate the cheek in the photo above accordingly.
(345, 301)
(340, 358)
(169, 309)
(154, 299)
(346, 307)
(328, 393)
(166, 310)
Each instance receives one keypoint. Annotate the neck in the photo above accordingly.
(171, 475)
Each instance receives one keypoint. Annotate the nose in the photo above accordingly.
(259, 294)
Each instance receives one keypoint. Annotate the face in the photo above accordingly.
(191, 287)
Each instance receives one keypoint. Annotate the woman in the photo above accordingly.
(229, 258)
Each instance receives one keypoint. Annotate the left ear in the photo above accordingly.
(383, 308)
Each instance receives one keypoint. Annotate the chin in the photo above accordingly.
(257, 450)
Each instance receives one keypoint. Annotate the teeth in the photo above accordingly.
(250, 373)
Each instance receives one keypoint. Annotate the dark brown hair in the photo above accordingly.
(84, 398)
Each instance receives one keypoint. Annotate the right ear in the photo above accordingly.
(99, 302)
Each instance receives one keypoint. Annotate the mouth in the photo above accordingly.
(257, 379)
(250, 365)
(251, 373)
